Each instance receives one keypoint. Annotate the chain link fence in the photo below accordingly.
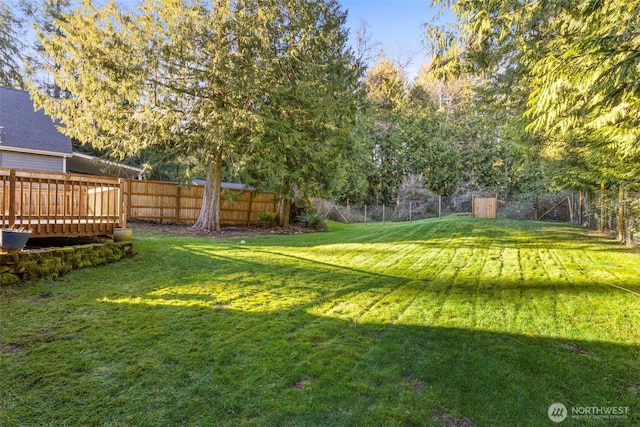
(608, 211)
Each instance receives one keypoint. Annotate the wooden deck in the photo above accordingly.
(72, 205)
(60, 205)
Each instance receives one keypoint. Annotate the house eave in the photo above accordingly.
(32, 151)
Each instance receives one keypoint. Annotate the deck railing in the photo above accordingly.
(57, 204)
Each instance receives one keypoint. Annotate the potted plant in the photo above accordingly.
(14, 238)
(122, 233)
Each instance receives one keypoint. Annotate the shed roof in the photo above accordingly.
(22, 127)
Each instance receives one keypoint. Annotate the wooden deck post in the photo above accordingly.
(123, 204)
(12, 197)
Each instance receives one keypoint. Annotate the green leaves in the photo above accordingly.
(310, 100)
(588, 90)
(267, 85)
(10, 48)
(576, 63)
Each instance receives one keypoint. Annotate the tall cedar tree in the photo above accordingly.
(310, 108)
(203, 78)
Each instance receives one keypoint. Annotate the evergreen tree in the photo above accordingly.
(575, 64)
(311, 105)
(220, 81)
(386, 87)
(11, 48)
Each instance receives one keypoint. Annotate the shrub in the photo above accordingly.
(312, 219)
(268, 219)
(415, 201)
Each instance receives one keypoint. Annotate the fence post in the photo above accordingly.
(383, 213)
(573, 207)
(439, 206)
(250, 207)
(129, 205)
(12, 197)
(473, 206)
(409, 211)
(365, 214)
(178, 202)
(621, 224)
(125, 199)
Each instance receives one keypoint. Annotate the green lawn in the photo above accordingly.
(455, 322)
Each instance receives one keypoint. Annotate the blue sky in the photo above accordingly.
(396, 25)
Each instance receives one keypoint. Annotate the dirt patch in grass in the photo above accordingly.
(304, 383)
(415, 383)
(451, 421)
(183, 230)
(573, 348)
(13, 349)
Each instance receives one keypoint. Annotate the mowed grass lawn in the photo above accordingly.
(453, 321)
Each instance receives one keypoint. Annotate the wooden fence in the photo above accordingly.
(173, 203)
(70, 205)
(57, 204)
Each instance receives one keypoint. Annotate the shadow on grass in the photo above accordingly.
(428, 279)
(298, 337)
(173, 365)
(238, 336)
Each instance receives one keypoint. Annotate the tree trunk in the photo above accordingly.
(580, 207)
(284, 212)
(602, 209)
(209, 218)
(284, 208)
(590, 208)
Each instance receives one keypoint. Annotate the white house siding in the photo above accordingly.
(30, 161)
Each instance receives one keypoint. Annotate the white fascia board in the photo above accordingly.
(31, 151)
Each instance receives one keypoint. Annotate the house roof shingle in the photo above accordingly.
(22, 127)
